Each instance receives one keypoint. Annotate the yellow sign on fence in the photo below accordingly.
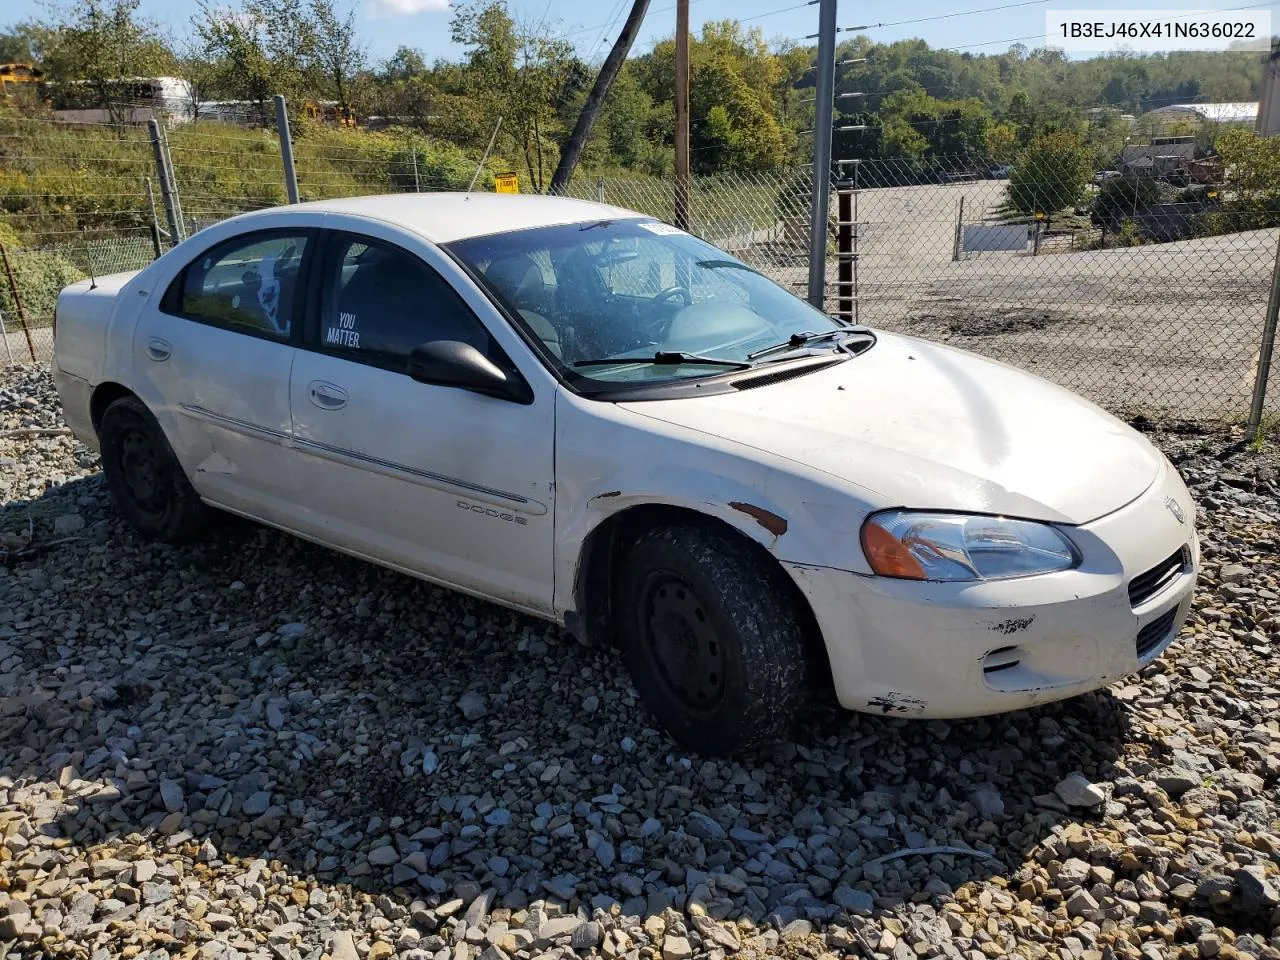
(506, 183)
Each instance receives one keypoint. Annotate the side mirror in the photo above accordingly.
(452, 363)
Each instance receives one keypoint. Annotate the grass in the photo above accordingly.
(73, 197)
(57, 179)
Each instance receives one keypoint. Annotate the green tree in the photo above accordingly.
(1252, 165)
(22, 43)
(1000, 142)
(1052, 174)
(516, 71)
(730, 127)
(405, 64)
(262, 49)
(337, 56)
(1120, 198)
(1106, 136)
(98, 42)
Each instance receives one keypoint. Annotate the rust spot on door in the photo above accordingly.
(770, 521)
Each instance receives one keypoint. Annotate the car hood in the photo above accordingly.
(917, 424)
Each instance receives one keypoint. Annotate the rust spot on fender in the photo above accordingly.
(770, 521)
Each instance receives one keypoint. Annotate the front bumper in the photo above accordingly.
(954, 650)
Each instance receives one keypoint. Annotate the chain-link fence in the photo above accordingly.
(1144, 290)
(1146, 295)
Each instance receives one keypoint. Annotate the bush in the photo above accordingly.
(40, 275)
(1128, 235)
(1122, 197)
(1052, 174)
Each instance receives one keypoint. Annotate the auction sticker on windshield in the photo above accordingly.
(662, 229)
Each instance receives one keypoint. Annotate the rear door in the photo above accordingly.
(437, 480)
(213, 364)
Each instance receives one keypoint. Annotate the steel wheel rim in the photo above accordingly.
(143, 470)
(688, 657)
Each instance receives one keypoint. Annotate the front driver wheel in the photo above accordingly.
(145, 480)
(713, 637)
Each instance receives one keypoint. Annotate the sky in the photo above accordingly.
(592, 25)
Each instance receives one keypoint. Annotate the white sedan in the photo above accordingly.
(590, 416)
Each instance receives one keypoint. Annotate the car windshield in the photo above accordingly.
(638, 301)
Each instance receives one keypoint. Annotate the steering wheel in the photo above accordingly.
(677, 291)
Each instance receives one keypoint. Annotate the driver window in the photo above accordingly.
(381, 301)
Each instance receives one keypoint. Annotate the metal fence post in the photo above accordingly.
(599, 189)
(4, 335)
(173, 186)
(1265, 351)
(824, 92)
(162, 174)
(286, 148)
(155, 223)
(955, 252)
(17, 302)
(416, 187)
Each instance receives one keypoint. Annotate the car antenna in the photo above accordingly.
(93, 281)
(480, 166)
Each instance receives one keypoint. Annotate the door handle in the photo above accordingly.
(159, 350)
(326, 396)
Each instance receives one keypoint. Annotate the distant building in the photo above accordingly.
(1194, 114)
(1163, 157)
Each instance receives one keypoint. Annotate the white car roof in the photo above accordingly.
(445, 217)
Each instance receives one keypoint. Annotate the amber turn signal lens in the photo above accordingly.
(887, 556)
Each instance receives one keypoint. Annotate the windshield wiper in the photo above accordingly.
(666, 358)
(797, 340)
(724, 265)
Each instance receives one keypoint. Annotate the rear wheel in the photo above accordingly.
(713, 637)
(146, 481)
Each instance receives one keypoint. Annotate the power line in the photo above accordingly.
(615, 12)
(755, 16)
(948, 16)
(798, 6)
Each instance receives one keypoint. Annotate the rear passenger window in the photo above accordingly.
(249, 283)
(380, 302)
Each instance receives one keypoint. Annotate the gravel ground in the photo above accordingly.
(253, 747)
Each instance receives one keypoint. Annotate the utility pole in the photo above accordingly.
(824, 93)
(682, 113)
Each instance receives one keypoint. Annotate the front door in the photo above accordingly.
(212, 361)
(444, 482)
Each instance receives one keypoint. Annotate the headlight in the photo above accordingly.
(915, 545)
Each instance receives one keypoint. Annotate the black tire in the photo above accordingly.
(147, 484)
(713, 636)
